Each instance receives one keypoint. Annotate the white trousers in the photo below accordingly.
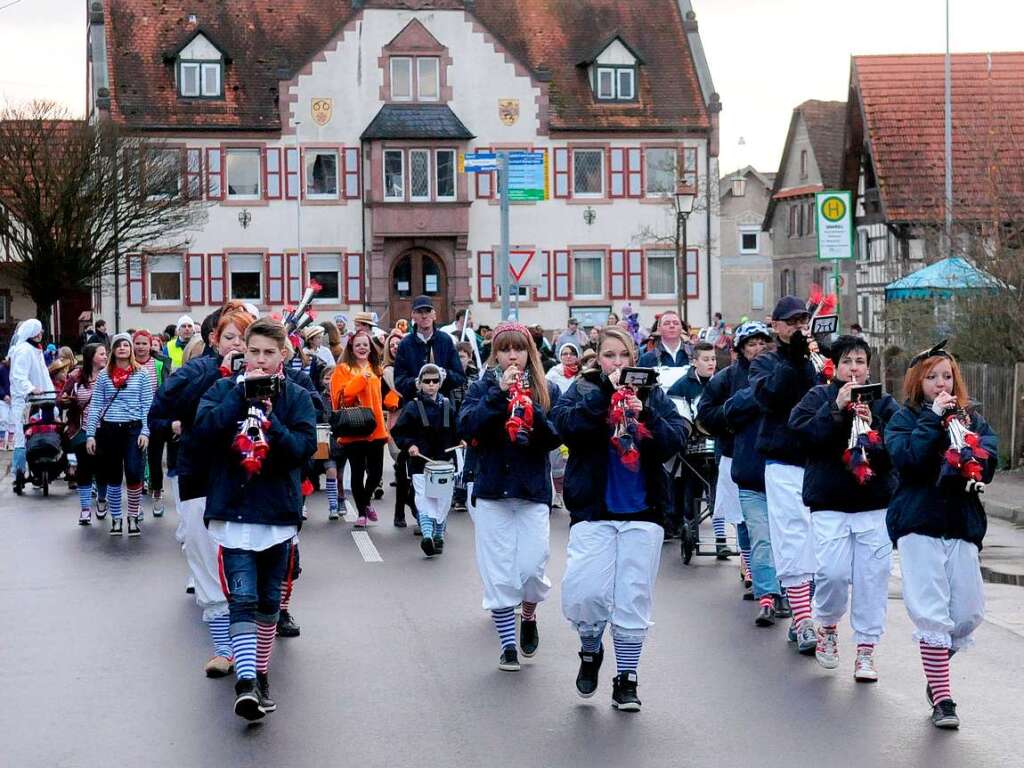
(942, 589)
(18, 419)
(512, 549)
(201, 555)
(435, 509)
(789, 523)
(727, 494)
(609, 577)
(853, 550)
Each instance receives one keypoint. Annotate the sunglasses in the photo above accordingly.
(430, 381)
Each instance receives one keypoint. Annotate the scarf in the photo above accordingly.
(627, 430)
(570, 371)
(119, 377)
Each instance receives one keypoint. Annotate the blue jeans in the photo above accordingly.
(762, 564)
(254, 581)
(118, 453)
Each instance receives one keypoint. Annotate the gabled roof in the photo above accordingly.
(592, 56)
(416, 121)
(767, 180)
(174, 52)
(270, 41)
(900, 118)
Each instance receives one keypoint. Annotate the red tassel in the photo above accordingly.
(829, 370)
(307, 487)
(971, 470)
(243, 443)
(827, 306)
(863, 473)
(874, 438)
(953, 457)
(251, 465)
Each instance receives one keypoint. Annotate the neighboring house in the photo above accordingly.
(748, 288)
(328, 136)
(811, 162)
(895, 163)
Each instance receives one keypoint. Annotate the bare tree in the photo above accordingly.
(75, 197)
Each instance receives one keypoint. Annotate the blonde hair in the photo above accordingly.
(619, 335)
(523, 342)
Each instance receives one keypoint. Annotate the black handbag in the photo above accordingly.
(356, 421)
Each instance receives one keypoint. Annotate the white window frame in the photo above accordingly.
(430, 177)
(600, 151)
(384, 175)
(602, 94)
(619, 72)
(212, 70)
(436, 65)
(245, 152)
(595, 255)
(313, 260)
(197, 67)
(309, 159)
(648, 176)
(662, 255)
(235, 258)
(616, 93)
(165, 264)
(437, 178)
(408, 61)
(750, 230)
(754, 303)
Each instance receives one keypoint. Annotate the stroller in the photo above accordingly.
(44, 448)
(697, 467)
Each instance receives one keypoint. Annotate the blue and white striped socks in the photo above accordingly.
(743, 540)
(114, 500)
(627, 654)
(427, 527)
(331, 485)
(504, 618)
(85, 497)
(243, 648)
(718, 523)
(218, 628)
(590, 644)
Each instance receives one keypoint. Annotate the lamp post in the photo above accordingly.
(685, 198)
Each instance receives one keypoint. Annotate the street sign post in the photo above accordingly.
(834, 227)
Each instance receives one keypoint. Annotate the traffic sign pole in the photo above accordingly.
(506, 277)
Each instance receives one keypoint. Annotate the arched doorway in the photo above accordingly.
(415, 272)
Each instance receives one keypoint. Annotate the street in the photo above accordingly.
(396, 665)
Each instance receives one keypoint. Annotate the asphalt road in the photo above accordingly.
(101, 657)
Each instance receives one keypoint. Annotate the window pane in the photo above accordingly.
(661, 274)
(625, 83)
(757, 295)
(163, 173)
(419, 174)
(322, 174)
(661, 171)
(445, 174)
(749, 242)
(431, 278)
(588, 172)
(394, 184)
(587, 274)
(330, 284)
(211, 79)
(401, 78)
(189, 79)
(606, 83)
(243, 172)
(165, 286)
(427, 76)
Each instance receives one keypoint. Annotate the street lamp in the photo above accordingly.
(685, 198)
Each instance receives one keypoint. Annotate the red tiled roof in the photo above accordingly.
(269, 41)
(797, 191)
(901, 100)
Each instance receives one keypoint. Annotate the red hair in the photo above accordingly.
(913, 382)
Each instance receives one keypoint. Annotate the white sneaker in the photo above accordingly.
(158, 504)
(827, 649)
(806, 637)
(864, 666)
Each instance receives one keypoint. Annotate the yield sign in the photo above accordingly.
(518, 263)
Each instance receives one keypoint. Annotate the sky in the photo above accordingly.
(766, 56)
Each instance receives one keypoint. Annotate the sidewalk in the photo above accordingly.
(1004, 497)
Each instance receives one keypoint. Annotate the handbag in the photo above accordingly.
(354, 421)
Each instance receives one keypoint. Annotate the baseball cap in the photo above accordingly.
(789, 307)
(422, 302)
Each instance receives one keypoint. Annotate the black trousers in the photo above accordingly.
(366, 467)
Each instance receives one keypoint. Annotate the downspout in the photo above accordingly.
(362, 223)
(707, 223)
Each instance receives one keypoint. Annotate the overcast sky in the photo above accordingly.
(766, 56)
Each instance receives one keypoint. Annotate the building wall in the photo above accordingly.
(742, 272)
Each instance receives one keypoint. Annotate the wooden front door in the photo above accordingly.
(418, 272)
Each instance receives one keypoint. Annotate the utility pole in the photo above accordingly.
(506, 277)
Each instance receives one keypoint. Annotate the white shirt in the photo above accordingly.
(324, 353)
(670, 350)
(254, 537)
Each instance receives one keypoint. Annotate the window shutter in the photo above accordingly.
(194, 174)
(562, 173)
(215, 278)
(291, 173)
(485, 182)
(692, 269)
(617, 172)
(272, 177)
(354, 278)
(195, 279)
(296, 277)
(485, 276)
(350, 157)
(273, 270)
(543, 290)
(792, 220)
(688, 166)
(136, 271)
(215, 174)
(635, 173)
(617, 274)
(563, 274)
(635, 277)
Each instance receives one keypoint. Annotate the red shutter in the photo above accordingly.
(354, 278)
(636, 268)
(272, 175)
(194, 174)
(562, 169)
(634, 173)
(617, 274)
(291, 173)
(273, 271)
(352, 189)
(485, 287)
(215, 174)
(543, 290)
(485, 183)
(296, 277)
(195, 279)
(562, 288)
(216, 278)
(617, 172)
(136, 271)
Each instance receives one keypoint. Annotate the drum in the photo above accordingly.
(323, 442)
(701, 446)
(438, 479)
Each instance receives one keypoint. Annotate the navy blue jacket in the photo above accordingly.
(828, 483)
(690, 388)
(743, 416)
(581, 417)
(711, 411)
(507, 470)
(303, 380)
(5, 381)
(661, 356)
(413, 353)
(778, 384)
(924, 503)
(274, 495)
(433, 439)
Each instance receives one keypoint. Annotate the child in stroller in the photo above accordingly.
(43, 447)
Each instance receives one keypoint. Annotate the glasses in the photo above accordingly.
(431, 381)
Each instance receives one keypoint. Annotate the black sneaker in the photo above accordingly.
(267, 704)
(624, 696)
(529, 638)
(133, 527)
(116, 528)
(400, 522)
(439, 544)
(944, 715)
(427, 545)
(458, 507)
(247, 700)
(590, 665)
(286, 626)
(509, 660)
(748, 592)
(783, 610)
(19, 482)
(928, 694)
(378, 493)
(101, 508)
(766, 616)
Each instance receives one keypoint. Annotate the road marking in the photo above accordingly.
(365, 545)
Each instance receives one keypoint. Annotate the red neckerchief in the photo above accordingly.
(570, 371)
(119, 377)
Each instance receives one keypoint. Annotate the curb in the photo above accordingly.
(1007, 512)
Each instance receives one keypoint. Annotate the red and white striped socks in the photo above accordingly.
(800, 601)
(767, 601)
(265, 634)
(134, 499)
(529, 611)
(936, 668)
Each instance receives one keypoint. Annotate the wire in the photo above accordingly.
(8, 5)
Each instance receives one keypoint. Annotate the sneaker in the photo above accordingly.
(529, 638)
(400, 522)
(458, 507)
(286, 626)
(791, 632)
(85, 518)
(219, 666)
(928, 694)
(371, 514)
(590, 665)
(267, 704)
(826, 651)
(509, 659)
(416, 530)
(101, 508)
(748, 592)
(190, 586)
(115, 526)
(782, 607)
(332, 514)
(19, 482)
(378, 493)
(158, 504)
(360, 522)
(722, 551)
(133, 527)
(944, 715)
(427, 545)
(765, 617)
(624, 696)
(864, 666)
(305, 511)
(439, 544)
(806, 637)
(247, 700)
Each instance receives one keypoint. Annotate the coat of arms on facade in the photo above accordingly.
(322, 109)
(508, 110)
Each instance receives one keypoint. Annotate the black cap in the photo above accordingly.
(789, 307)
(422, 302)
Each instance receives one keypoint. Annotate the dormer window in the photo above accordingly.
(616, 83)
(415, 78)
(199, 68)
(612, 69)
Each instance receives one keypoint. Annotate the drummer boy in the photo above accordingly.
(426, 431)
